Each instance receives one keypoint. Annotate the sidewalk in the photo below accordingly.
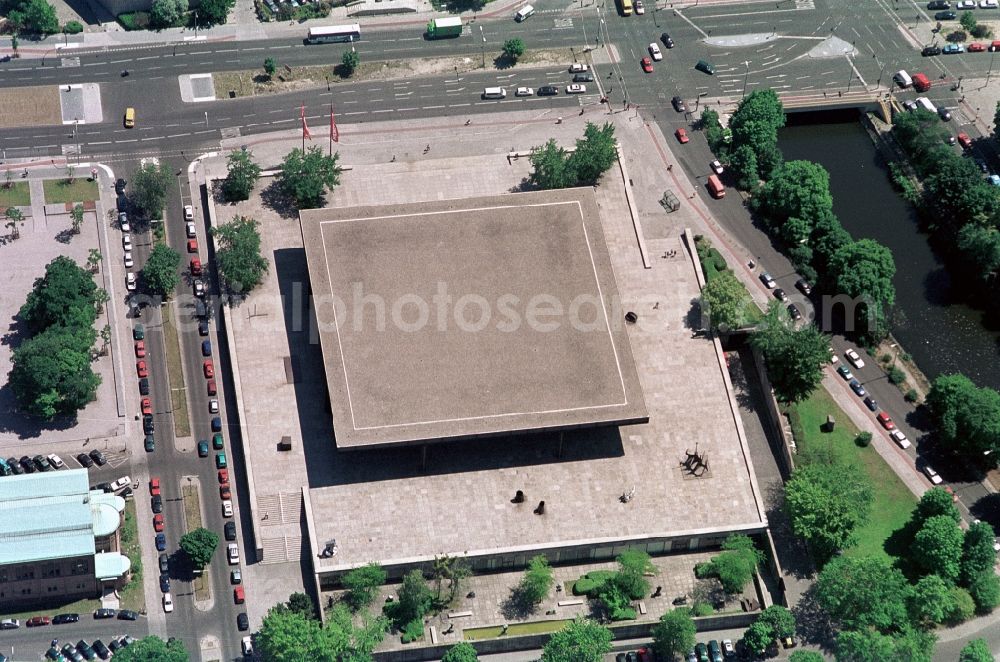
(113, 36)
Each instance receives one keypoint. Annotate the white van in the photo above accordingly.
(495, 93)
(902, 79)
(523, 13)
(926, 104)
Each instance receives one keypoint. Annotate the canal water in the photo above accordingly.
(941, 333)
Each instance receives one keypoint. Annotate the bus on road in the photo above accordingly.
(626, 7)
(334, 33)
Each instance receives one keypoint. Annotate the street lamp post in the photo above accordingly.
(481, 34)
(746, 77)
(990, 72)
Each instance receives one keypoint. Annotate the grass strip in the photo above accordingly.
(535, 627)
(18, 195)
(132, 596)
(192, 521)
(178, 392)
(893, 501)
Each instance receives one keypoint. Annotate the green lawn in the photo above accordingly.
(535, 627)
(58, 190)
(132, 596)
(82, 607)
(18, 195)
(893, 501)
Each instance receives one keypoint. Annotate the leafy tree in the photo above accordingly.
(153, 649)
(795, 357)
(150, 184)
(415, 599)
(674, 634)
(101, 297)
(957, 194)
(827, 505)
(362, 585)
(727, 303)
(962, 606)
(934, 502)
(758, 637)
(450, 568)
(976, 650)
(94, 258)
(301, 603)
(797, 193)
(238, 255)
(552, 167)
(64, 296)
(167, 13)
(461, 652)
(980, 247)
(755, 126)
(931, 601)
(967, 20)
(977, 550)
(349, 62)
(996, 113)
(199, 545)
(214, 12)
(863, 592)
(537, 581)
(52, 374)
(966, 418)
(73, 27)
(743, 162)
(583, 640)
(15, 218)
(864, 270)
(633, 566)
(160, 273)
(805, 656)
(595, 153)
(76, 218)
(780, 620)
(270, 66)
(828, 237)
(35, 16)
(985, 591)
(513, 48)
(305, 176)
(287, 636)
(242, 174)
(735, 565)
(871, 646)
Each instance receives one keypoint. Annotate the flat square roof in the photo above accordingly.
(468, 318)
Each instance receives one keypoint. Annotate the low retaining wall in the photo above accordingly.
(537, 641)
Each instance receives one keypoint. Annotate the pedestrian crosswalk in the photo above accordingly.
(69, 62)
(564, 23)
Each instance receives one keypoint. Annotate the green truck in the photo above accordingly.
(444, 27)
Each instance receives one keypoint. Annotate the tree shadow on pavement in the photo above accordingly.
(813, 624)
(517, 606)
(276, 200)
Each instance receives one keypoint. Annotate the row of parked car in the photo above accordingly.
(84, 651)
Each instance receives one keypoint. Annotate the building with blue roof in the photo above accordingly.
(59, 541)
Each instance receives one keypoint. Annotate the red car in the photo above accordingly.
(209, 369)
(965, 141)
(140, 369)
(647, 65)
(976, 47)
(682, 136)
(140, 349)
(147, 407)
(195, 266)
(225, 492)
(238, 595)
(154, 486)
(211, 387)
(35, 621)
(192, 245)
(223, 476)
(886, 421)
(158, 523)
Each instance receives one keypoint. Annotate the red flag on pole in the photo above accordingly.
(305, 127)
(334, 133)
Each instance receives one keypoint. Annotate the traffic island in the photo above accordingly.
(175, 374)
(192, 521)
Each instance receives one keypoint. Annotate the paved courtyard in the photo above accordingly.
(382, 504)
(44, 236)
